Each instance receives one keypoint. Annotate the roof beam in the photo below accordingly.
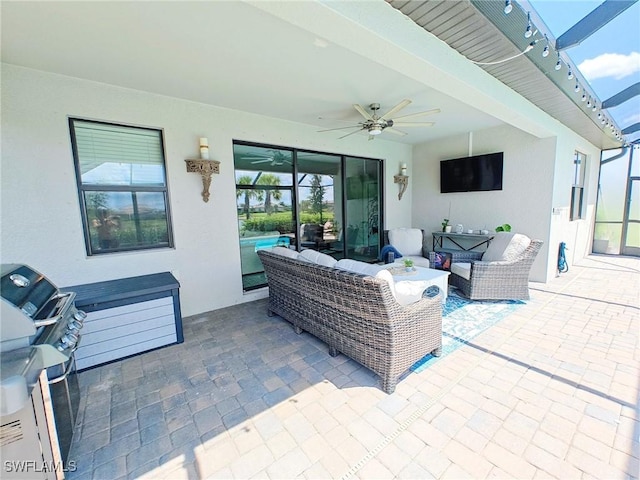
(622, 96)
(631, 129)
(593, 22)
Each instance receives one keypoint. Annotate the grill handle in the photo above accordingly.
(66, 300)
(68, 370)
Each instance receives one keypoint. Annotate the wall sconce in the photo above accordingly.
(402, 180)
(204, 167)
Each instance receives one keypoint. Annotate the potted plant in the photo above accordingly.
(505, 227)
(445, 224)
(408, 264)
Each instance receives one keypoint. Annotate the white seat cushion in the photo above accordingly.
(461, 269)
(319, 258)
(497, 247)
(358, 267)
(285, 252)
(408, 241)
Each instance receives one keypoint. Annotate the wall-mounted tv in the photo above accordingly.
(472, 174)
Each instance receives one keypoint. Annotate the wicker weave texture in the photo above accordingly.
(499, 280)
(354, 314)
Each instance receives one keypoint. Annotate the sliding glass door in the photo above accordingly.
(617, 227)
(305, 200)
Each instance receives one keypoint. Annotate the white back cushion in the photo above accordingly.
(319, 258)
(358, 267)
(497, 247)
(517, 245)
(285, 252)
(408, 241)
(385, 275)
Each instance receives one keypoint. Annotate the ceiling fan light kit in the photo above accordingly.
(375, 124)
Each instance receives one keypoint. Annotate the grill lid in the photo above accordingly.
(27, 290)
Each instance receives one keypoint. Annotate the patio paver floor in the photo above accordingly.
(550, 392)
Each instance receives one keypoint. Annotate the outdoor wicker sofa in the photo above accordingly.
(494, 275)
(355, 314)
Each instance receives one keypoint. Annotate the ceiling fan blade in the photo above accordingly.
(356, 131)
(395, 109)
(419, 114)
(340, 128)
(413, 124)
(263, 160)
(362, 111)
(395, 132)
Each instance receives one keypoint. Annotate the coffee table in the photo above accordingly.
(439, 278)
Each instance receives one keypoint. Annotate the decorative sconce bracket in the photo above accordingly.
(403, 180)
(205, 168)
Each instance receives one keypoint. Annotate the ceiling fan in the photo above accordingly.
(272, 157)
(375, 124)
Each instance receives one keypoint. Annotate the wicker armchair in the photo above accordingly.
(497, 280)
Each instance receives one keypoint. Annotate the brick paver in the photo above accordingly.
(550, 392)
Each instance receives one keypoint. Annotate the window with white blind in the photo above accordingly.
(577, 188)
(121, 176)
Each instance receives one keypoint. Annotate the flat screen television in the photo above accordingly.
(472, 174)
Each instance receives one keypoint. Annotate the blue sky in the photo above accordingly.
(609, 59)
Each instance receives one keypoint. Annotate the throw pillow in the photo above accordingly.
(442, 261)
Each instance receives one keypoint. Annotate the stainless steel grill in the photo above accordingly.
(39, 334)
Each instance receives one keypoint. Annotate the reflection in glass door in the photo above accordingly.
(320, 202)
(363, 208)
(264, 191)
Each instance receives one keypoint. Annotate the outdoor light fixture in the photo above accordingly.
(375, 130)
(204, 167)
(558, 63)
(584, 97)
(545, 51)
(507, 7)
(529, 31)
(576, 88)
(570, 74)
(402, 180)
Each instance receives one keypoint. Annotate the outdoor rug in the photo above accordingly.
(464, 319)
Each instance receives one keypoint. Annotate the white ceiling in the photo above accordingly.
(230, 54)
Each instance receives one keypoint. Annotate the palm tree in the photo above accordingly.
(271, 180)
(247, 192)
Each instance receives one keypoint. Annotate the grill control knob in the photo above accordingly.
(74, 326)
(68, 340)
(79, 315)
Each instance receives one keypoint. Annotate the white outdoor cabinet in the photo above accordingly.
(127, 316)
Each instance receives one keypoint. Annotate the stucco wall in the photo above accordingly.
(41, 223)
(535, 198)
